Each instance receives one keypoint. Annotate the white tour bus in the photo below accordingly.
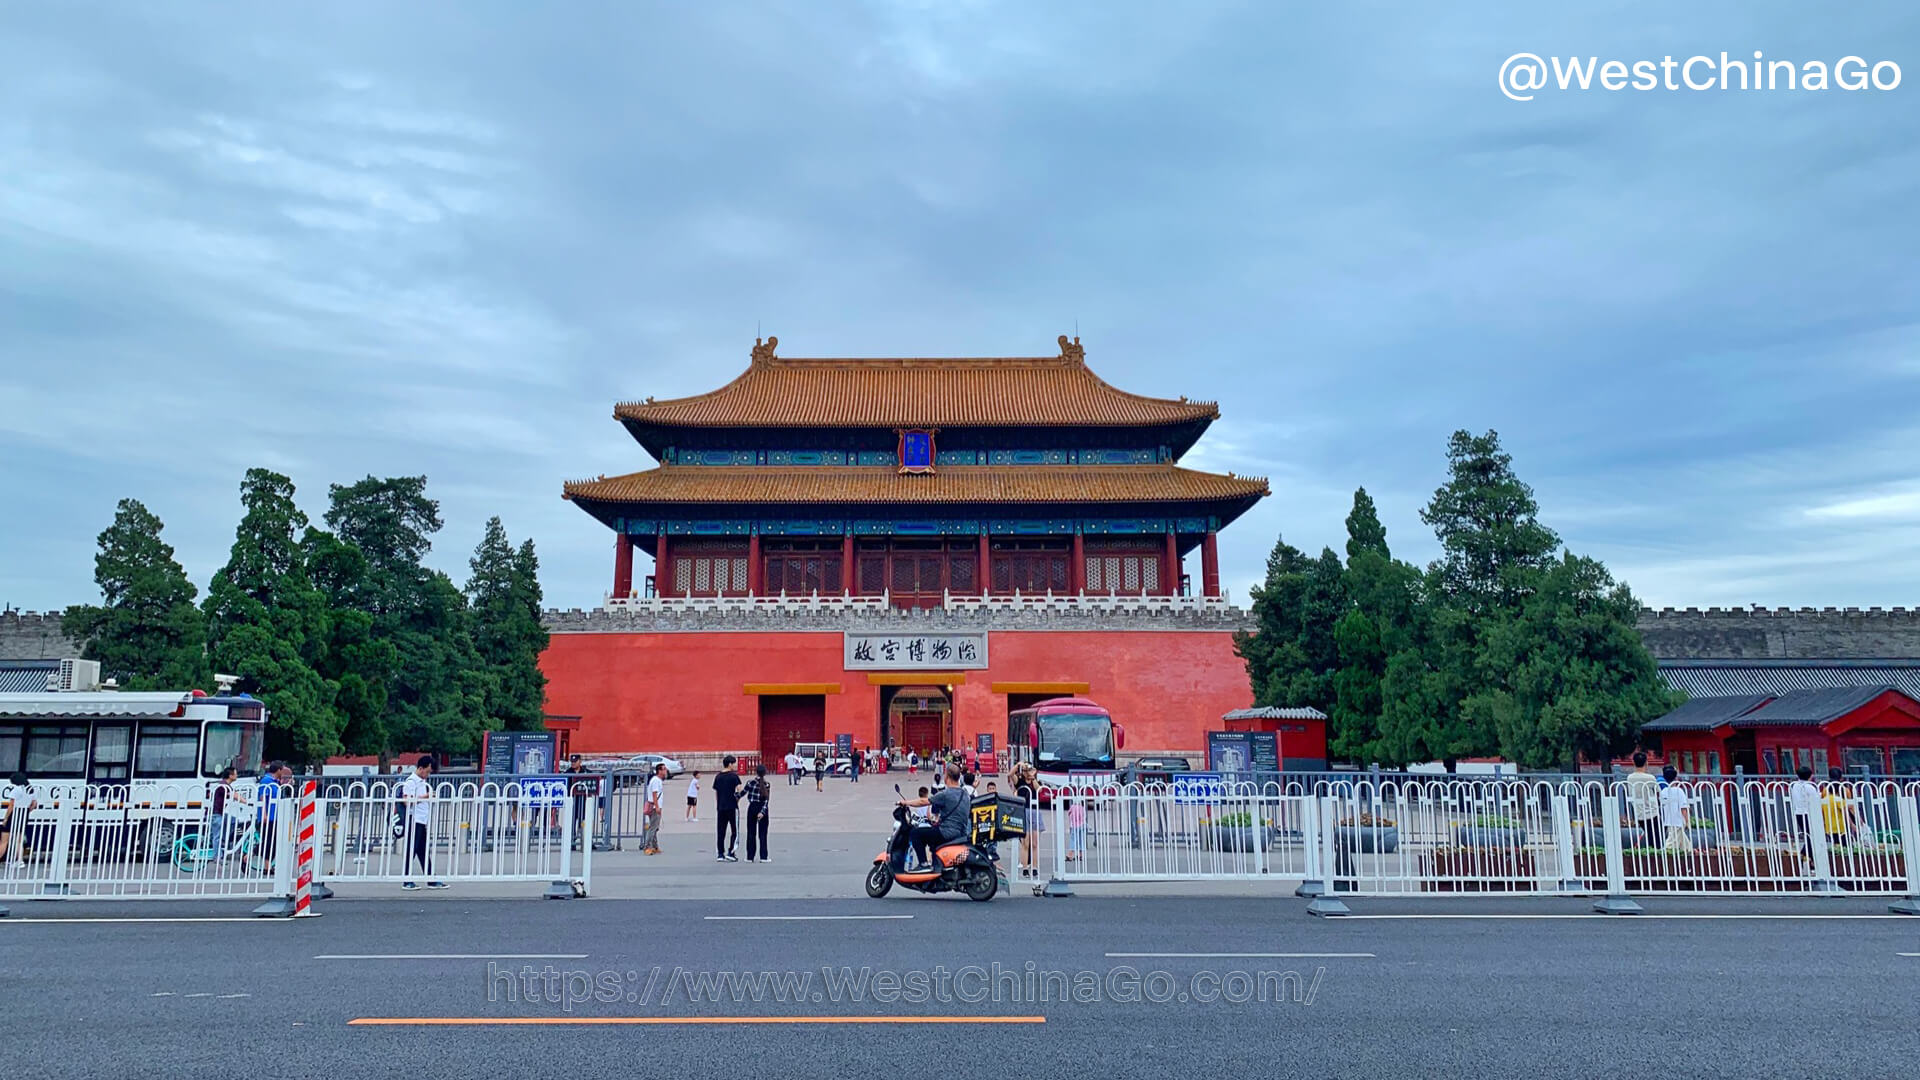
(151, 754)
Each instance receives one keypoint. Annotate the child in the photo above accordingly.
(693, 798)
(1673, 811)
(919, 812)
(1076, 830)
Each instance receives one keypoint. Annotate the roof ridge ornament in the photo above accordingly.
(763, 350)
(1072, 350)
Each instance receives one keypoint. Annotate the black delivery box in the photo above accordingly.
(997, 817)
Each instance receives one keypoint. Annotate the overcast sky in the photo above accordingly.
(445, 238)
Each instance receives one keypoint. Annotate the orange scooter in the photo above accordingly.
(960, 866)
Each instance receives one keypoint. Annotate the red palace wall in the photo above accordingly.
(683, 692)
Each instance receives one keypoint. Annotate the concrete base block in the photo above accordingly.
(1326, 907)
(280, 907)
(1310, 889)
(1907, 906)
(1617, 905)
(1055, 888)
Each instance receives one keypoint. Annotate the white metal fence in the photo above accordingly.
(83, 841)
(158, 841)
(1488, 836)
(493, 832)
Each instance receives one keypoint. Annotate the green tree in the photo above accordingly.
(270, 626)
(503, 594)
(1574, 676)
(357, 658)
(438, 693)
(1291, 654)
(146, 632)
(1488, 526)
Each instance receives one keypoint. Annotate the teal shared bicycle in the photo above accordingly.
(190, 855)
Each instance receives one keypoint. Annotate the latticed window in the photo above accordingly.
(960, 575)
(873, 574)
(709, 568)
(1123, 572)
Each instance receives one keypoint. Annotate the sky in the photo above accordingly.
(403, 238)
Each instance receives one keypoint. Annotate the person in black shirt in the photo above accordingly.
(948, 807)
(759, 794)
(726, 800)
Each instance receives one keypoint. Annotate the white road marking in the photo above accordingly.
(225, 996)
(1248, 955)
(799, 918)
(164, 993)
(1907, 954)
(209, 994)
(455, 956)
(157, 919)
(1619, 917)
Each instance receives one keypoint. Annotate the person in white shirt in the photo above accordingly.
(1803, 798)
(650, 832)
(693, 798)
(1674, 805)
(417, 793)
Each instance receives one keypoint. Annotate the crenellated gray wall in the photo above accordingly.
(1782, 633)
(1671, 633)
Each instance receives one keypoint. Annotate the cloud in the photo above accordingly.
(404, 239)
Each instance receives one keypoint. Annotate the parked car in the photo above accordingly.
(645, 763)
(1154, 770)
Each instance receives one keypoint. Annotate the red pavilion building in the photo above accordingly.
(904, 550)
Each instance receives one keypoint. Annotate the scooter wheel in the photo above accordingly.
(879, 881)
(982, 885)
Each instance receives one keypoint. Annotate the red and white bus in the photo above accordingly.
(1070, 741)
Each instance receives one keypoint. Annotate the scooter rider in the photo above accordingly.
(949, 811)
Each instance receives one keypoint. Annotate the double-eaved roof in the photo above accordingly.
(1024, 391)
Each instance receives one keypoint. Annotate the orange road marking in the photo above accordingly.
(514, 1021)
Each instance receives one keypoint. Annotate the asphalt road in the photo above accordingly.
(1576, 996)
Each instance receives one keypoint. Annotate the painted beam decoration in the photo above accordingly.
(908, 651)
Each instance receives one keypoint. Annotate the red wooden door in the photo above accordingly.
(923, 731)
(786, 719)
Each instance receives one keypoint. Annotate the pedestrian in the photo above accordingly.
(793, 769)
(275, 779)
(1837, 812)
(853, 767)
(418, 795)
(576, 769)
(1673, 812)
(993, 846)
(1643, 802)
(913, 762)
(1076, 830)
(15, 803)
(214, 837)
(759, 797)
(653, 809)
(1804, 799)
(819, 770)
(1026, 789)
(693, 798)
(726, 804)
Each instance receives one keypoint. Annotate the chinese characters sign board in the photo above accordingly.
(908, 651)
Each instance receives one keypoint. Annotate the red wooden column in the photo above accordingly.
(1170, 568)
(622, 566)
(986, 565)
(847, 579)
(756, 567)
(1210, 565)
(1077, 573)
(662, 566)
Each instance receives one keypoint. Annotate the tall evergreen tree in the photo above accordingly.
(1291, 654)
(357, 658)
(437, 695)
(1488, 526)
(269, 625)
(147, 631)
(504, 596)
